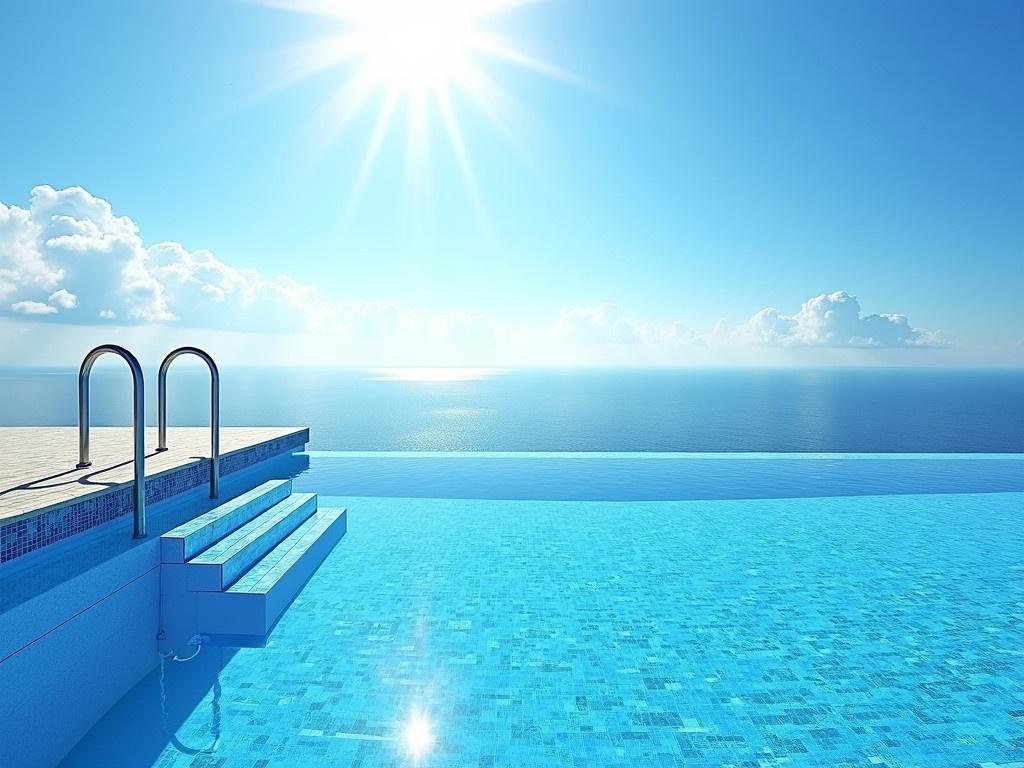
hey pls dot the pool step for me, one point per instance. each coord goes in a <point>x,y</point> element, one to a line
<point>220,565</point>
<point>248,610</point>
<point>232,571</point>
<point>188,539</point>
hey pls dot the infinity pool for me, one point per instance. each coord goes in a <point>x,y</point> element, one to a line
<point>815,611</point>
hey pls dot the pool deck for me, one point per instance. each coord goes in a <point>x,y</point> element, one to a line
<point>37,464</point>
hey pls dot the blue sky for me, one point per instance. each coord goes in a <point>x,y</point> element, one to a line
<point>700,163</point>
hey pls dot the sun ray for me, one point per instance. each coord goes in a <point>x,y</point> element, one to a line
<point>339,9</point>
<point>415,53</point>
<point>417,159</point>
<point>494,102</point>
<point>496,7</point>
<point>492,46</point>
<point>302,62</point>
<point>380,130</point>
<point>451,125</point>
<point>340,109</point>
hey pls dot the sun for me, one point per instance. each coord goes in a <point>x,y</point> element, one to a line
<point>411,57</point>
<point>416,46</point>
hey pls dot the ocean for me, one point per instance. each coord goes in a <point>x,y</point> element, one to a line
<point>817,410</point>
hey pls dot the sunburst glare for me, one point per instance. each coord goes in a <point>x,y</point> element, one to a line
<point>410,56</point>
<point>418,737</point>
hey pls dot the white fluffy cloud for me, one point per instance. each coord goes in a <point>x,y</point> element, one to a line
<point>68,258</point>
<point>832,320</point>
<point>63,299</point>
<point>32,308</point>
<point>597,325</point>
<point>829,320</point>
<point>21,264</point>
<point>69,252</point>
<point>604,324</point>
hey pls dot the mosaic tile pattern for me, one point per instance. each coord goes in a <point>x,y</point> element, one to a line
<point>279,561</point>
<point>868,631</point>
<point>262,451</point>
<point>28,534</point>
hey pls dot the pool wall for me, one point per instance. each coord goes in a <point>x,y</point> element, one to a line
<point>78,649</point>
<point>72,648</point>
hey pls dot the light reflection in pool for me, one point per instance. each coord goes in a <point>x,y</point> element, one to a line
<point>418,736</point>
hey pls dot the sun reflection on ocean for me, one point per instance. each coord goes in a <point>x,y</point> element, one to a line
<point>435,375</point>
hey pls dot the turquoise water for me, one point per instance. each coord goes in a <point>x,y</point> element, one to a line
<point>815,630</point>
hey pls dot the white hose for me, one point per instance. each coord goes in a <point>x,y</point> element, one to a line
<point>215,719</point>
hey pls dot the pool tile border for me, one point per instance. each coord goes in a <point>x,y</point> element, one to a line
<point>32,532</point>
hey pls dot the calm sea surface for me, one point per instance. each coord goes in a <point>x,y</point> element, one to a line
<point>637,410</point>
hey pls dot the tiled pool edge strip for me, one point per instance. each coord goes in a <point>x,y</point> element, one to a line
<point>663,455</point>
<point>31,533</point>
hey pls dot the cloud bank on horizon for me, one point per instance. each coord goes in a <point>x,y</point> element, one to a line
<point>68,259</point>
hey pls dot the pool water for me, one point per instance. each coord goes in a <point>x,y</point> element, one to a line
<point>816,630</point>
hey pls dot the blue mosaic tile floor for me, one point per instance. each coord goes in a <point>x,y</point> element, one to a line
<point>856,631</point>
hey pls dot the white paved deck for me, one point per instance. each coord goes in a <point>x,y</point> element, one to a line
<point>37,464</point>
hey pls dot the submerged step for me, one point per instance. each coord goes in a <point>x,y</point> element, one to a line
<point>248,610</point>
<point>222,563</point>
<point>268,571</point>
<point>187,540</point>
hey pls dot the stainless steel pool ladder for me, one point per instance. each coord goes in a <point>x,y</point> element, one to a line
<point>138,425</point>
<point>214,409</point>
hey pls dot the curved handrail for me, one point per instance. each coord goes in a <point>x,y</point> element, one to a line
<point>138,425</point>
<point>214,409</point>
